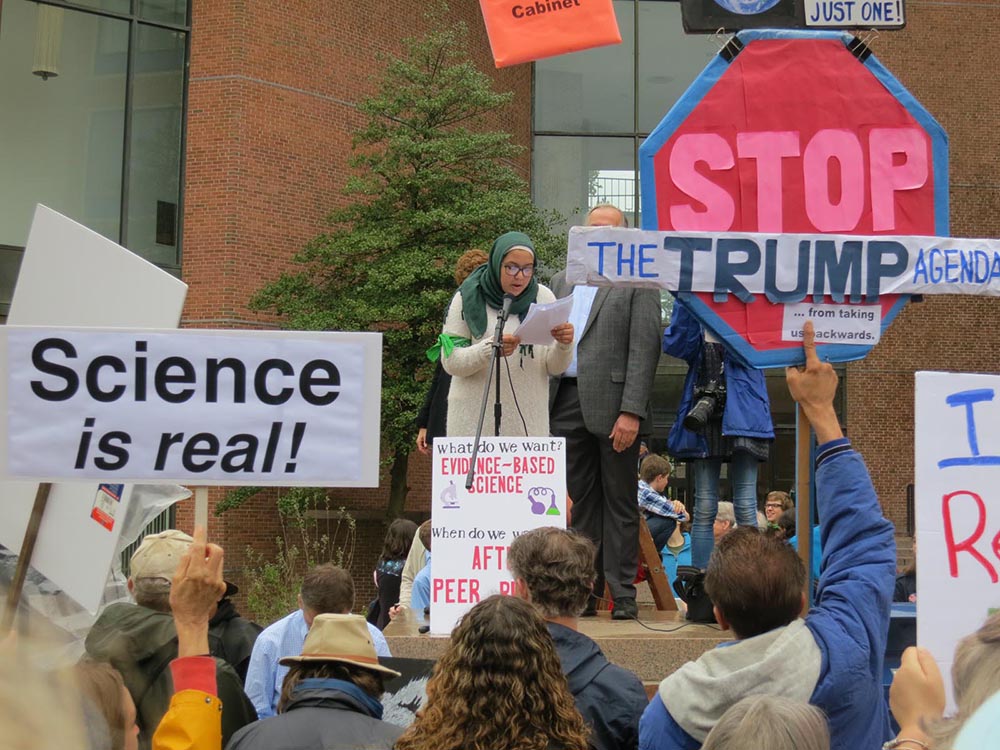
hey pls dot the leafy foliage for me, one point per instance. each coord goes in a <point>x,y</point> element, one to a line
<point>272,584</point>
<point>431,182</point>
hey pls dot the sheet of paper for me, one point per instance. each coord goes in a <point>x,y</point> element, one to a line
<point>541,319</point>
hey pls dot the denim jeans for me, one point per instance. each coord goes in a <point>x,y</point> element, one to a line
<point>743,479</point>
<point>660,528</point>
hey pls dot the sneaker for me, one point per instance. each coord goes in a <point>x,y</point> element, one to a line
<point>625,609</point>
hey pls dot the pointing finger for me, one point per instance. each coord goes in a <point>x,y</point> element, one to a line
<point>809,344</point>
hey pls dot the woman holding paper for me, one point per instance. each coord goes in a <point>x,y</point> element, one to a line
<point>467,344</point>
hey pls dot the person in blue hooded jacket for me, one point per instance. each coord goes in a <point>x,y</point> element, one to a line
<point>733,425</point>
<point>832,657</point>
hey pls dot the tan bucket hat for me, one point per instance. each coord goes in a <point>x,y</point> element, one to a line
<point>340,638</point>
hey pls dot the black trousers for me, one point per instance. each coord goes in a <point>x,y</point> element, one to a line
<point>603,486</point>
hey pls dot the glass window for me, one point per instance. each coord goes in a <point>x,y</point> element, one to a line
<point>669,60</point>
<point>63,125</point>
<point>164,11</point>
<point>154,166</point>
<point>115,6</point>
<point>572,173</point>
<point>590,91</point>
<point>62,120</point>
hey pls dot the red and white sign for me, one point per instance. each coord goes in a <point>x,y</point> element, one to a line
<point>519,485</point>
<point>794,135</point>
<point>957,495</point>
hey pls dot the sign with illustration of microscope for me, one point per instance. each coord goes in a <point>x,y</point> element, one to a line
<point>519,485</point>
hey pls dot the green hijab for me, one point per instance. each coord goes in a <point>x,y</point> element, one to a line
<point>483,285</point>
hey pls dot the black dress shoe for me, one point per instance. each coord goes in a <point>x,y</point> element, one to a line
<point>591,609</point>
<point>625,609</point>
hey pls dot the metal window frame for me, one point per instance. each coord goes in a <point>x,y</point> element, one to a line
<point>135,21</point>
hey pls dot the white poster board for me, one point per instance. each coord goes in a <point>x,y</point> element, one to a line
<point>205,407</point>
<point>519,485</point>
<point>71,275</point>
<point>957,476</point>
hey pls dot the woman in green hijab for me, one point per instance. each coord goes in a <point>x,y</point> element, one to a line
<point>468,337</point>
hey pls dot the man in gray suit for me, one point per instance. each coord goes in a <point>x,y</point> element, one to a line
<point>599,405</point>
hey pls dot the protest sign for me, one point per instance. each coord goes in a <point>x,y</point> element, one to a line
<point>957,475</point>
<point>519,485</point>
<point>70,275</point>
<point>800,133</point>
<point>785,268</point>
<point>840,282</point>
<point>525,30</point>
<point>203,407</point>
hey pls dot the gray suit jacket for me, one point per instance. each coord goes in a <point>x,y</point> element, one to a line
<point>617,354</point>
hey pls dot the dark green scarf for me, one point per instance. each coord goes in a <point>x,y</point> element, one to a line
<point>483,285</point>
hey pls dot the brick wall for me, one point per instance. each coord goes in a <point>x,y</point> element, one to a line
<point>272,95</point>
<point>271,108</point>
<point>937,58</point>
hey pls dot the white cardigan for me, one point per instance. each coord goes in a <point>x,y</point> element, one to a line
<point>530,368</point>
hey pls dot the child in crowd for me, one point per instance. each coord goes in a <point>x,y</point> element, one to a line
<point>661,513</point>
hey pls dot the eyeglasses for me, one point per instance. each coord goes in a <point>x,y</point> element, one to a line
<point>772,505</point>
<point>512,269</point>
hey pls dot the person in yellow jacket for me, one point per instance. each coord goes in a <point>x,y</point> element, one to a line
<point>194,719</point>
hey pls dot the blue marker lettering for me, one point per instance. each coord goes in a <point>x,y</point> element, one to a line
<point>645,260</point>
<point>968,399</point>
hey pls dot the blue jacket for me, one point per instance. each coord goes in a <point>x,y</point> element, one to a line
<point>610,699</point>
<point>833,658</point>
<point>747,412</point>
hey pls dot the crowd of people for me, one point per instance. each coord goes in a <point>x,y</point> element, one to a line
<point>168,671</point>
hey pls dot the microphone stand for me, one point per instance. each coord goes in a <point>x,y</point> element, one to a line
<point>497,408</point>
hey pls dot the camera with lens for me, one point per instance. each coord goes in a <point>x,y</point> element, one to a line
<point>708,401</point>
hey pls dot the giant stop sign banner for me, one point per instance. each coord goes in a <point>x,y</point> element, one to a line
<point>795,133</point>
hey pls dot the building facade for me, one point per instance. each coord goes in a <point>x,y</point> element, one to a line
<point>212,137</point>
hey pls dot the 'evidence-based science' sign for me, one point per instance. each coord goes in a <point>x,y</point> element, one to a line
<point>957,476</point>
<point>199,407</point>
<point>519,485</point>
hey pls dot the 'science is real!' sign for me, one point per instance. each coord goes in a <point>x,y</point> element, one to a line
<point>203,407</point>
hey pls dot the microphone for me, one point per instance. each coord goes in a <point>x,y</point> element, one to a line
<point>502,320</point>
<point>507,300</point>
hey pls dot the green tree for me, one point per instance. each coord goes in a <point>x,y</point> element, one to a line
<point>431,181</point>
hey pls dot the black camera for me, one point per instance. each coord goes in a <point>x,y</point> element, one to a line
<point>709,399</point>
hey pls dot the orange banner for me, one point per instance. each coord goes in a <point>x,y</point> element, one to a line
<point>525,30</point>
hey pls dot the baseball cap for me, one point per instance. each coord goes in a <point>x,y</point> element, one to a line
<point>159,554</point>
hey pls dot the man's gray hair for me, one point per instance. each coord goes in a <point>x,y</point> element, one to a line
<point>726,512</point>
<point>153,593</point>
<point>770,722</point>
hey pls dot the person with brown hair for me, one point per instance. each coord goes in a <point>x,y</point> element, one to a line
<point>498,686</point>
<point>432,417</point>
<point>108,707</point>
<point>330,696</point>
<point>554,570</point>
<point>661,513</point>
<point>833,657</point>
<point>326,589</point>
<point>775,504</point>
<point>389,569</point>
